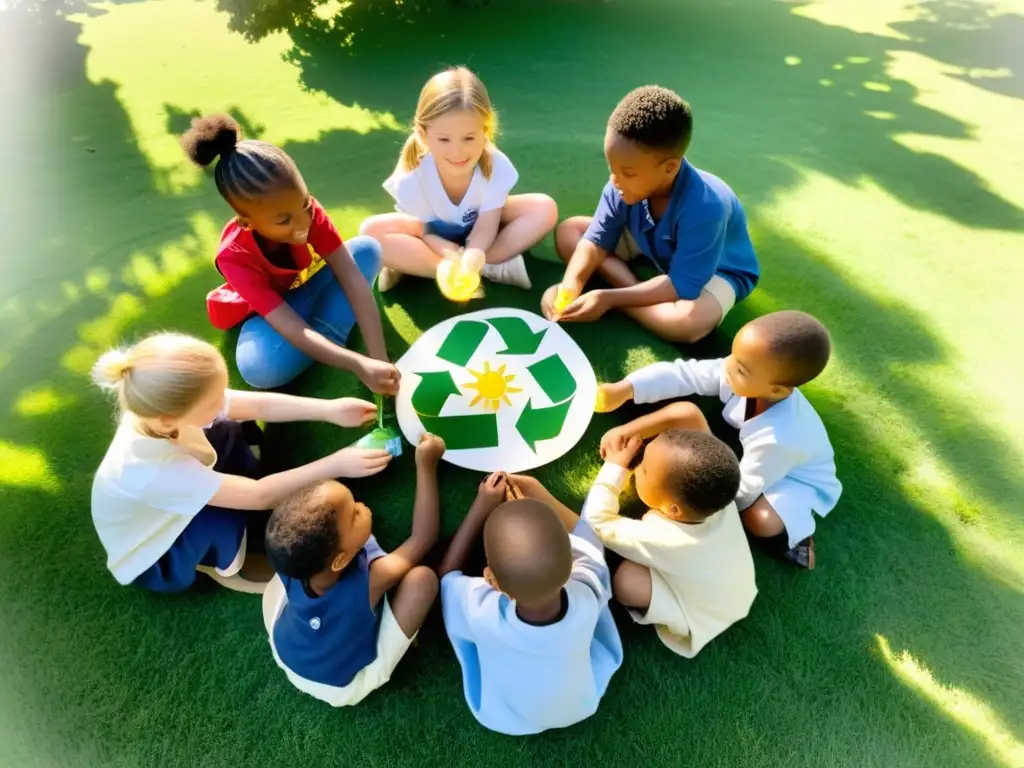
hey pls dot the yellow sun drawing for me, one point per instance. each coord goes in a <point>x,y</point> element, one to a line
<point>492,387</point>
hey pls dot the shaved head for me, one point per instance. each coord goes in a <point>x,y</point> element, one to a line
<point>796,340</point>
<point>527,550</point>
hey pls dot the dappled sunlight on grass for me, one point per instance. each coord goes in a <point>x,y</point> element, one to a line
<point>23,466</point>
<point>872,17</point>
<point>161,100</point>
<point>954,295</point>
<point>41,400</point>
<point>994,120</point>
<point>967,711</point>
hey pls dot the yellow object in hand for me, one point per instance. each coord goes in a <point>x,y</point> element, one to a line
<point>601,406</point>
<point>563,299</point>
<point>458,277</point>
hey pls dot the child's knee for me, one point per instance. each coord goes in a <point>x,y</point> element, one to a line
<point>568,235</point>
<point>631,585</point>
<point>375,227</point>
<point>422,584</point>
<point>366,253</point>
<point>546,211</point>
<point>686,415</point>
<point>761,520</point>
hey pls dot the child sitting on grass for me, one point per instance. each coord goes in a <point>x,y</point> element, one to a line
<point>688,568</point>
<point>177,488</point>
<point>788,467</point>
<point>332,627</point>
<point>534,637</point>
<point>451,190</point>
<point>685,221</point>
<point>297,289</point>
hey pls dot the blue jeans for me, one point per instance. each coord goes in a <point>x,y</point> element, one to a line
<point>266,359</point>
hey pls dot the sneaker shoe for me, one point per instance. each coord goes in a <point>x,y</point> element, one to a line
<point>802,554</point>
<point>388,279</point>
<point>511,272</point>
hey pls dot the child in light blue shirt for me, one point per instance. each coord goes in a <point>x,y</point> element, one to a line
<point>534,636</point>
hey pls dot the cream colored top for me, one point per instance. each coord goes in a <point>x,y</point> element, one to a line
<point>706,566</point>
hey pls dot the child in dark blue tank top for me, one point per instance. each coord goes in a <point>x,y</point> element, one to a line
<point>332,629</point>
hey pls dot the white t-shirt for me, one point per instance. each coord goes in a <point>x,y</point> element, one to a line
<point>419,192</point>
<point>520,679</point>
<point>786,441</point>
<point>146,492</point>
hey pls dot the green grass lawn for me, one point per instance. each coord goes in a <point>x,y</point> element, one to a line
<point>876,148</point>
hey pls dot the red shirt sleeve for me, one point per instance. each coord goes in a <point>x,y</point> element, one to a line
<point>322,235</point>
<point>238,261</point>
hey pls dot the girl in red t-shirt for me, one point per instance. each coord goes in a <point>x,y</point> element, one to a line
<point>293,311</point>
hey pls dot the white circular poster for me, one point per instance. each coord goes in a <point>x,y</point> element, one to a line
<point>505,389</point>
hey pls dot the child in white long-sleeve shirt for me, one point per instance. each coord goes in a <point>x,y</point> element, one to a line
<point>688,568</point>
<point>788,465</point>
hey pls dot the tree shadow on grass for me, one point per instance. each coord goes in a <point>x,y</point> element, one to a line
<point>769,88</point>
<point>105,675</point>
<point>978,37</point>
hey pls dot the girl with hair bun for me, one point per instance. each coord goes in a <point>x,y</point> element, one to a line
<point>293,311</point>
<point>176,491</point>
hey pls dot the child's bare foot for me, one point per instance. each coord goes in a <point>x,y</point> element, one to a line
<point>802,554</point>
<point>388,279</point>
<point>611,397</point>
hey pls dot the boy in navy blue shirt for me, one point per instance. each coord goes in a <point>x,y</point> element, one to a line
<point>685,221</point>
<point>332,628</point>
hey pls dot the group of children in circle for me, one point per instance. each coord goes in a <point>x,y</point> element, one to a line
<point>180,491</point>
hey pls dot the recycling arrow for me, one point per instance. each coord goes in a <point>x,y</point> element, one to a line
<point>462,341</point>
<point>433,391</point>
<point>458,432</point>
<point>536,424</point>
<point>554,378</point>
<point>519,338</point>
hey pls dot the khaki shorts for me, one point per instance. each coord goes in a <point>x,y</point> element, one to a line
<point>717,286</point>
<point>666,614</point>
<point>391,647</point>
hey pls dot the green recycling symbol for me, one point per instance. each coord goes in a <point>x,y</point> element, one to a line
<point>482,380</point>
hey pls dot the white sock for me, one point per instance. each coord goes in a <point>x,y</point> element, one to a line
<point>511,272</point>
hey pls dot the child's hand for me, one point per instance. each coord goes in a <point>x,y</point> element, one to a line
<point>381,377</point>
<point>547,303</point>
<point>429,451</point>
<point>527,484</point>
<point>611,397</point>
<point>358,462</point>
<point>349,412</point>
<point>619,447</point>
<point>587,308</point>
<point>491,492</point>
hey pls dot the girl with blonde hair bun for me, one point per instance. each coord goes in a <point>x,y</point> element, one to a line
<point>451,190</point>
<point>178,487</point>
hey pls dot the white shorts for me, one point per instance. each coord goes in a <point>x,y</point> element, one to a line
<point>666,613</point>
<point>794,502</point>
<point>391,647</point>
<point>717,286</point>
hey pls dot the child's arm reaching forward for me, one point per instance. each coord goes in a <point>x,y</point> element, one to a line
<point>386,572</point>
<point>490,494</point>
<point>633,539</point>
<point>274,407</point>
<point>662,381</point>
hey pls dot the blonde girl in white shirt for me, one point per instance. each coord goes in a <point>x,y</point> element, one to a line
<point>451,190</point>
<point>178,486</point>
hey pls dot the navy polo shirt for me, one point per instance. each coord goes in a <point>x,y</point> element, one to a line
<point>328,639</point>
<point>703,233</point>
